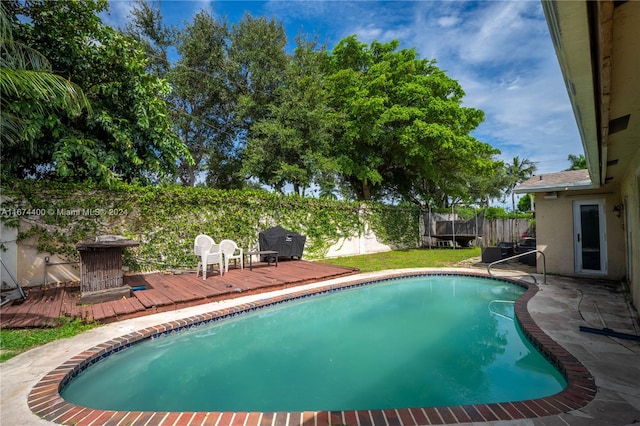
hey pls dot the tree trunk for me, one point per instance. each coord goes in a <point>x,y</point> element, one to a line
<point>366,192</point>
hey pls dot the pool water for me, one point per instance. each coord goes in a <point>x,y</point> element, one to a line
<point>413,342</point>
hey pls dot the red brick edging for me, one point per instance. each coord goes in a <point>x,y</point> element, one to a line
<point>45,400</point>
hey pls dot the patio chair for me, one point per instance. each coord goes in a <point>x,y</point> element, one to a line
<point>230,250</point>
<point>201,244</point>
<point>208,252</point>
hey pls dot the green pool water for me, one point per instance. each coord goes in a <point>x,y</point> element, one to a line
<point>413,342</point>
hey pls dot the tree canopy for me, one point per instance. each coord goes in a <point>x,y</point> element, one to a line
<point>229,106</point>
<point>124,135</point>
<point>27,74</point>
<point>402,128</point>
<point>578,162</point>
<point>516,172</point>
<point>291,143</point>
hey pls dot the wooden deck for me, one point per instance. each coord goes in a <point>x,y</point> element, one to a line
<point>165,292</point>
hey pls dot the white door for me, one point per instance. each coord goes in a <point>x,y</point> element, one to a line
<point>590,237</point>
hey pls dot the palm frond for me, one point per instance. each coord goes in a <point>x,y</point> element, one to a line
<point>19,56</point>
<point>11,128</point>
<point>41,86</point>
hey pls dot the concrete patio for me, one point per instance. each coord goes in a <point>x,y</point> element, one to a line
<point>559,308</point>
<point>564,305</point>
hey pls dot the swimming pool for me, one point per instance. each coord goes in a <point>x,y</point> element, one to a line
<point>495,310</point>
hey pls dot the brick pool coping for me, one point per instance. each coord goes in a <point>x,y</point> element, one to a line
<point>45,401</point>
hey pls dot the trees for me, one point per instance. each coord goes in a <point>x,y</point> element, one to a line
<point>516,172</point>
<point>258,63</point>
<point>524,204</point>
<point>290,145</point>
<point>148,28</point>
<point>30,90</point>
<point>202,101</point>
<point>374,120</point>
<point>578,162</point>
<point>126,135</point>
<point>402,129</point>
<point>485,186</point>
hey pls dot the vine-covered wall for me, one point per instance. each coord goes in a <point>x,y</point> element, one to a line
<point>165,220</point>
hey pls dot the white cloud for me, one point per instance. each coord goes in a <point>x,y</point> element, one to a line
<point>368,33</point>
<point>501,54</point>
<point>499,51</point>
<point>175,12</point>
<point>118,13</point>
<point>448,21</point>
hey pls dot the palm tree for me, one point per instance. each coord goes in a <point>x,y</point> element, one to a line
<point>26,74</point>
<point>578,162</point>
<point>518,171</point>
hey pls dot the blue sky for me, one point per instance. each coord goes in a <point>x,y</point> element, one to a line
<point>499,51</point>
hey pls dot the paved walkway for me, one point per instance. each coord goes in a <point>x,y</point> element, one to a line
<point>560,308</point>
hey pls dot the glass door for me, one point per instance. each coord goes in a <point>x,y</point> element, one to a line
<point>590,236</point>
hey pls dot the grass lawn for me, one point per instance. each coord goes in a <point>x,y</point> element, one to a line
<point>413,258</point>
<point>14,342</point>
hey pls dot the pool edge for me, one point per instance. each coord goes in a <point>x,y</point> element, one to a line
<point>45,401</point>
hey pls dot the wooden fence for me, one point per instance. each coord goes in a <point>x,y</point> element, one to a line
<point>490,231</point>
<point>511,230</point>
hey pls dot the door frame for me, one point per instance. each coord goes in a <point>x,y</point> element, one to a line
<point>629,238</point>
<point>577,243</point>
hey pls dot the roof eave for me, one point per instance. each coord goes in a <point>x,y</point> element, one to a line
<point>572,34</point>
<point>575,186</point>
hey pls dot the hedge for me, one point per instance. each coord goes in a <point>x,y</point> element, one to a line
<point>166,219</point>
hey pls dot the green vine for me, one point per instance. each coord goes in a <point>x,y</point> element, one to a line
<point>166,219</point>
<point>395,226</point>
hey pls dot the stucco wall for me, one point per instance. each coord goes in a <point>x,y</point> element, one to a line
<point>31,268</point>
<point>555,234</point>
<point>367,243</point>
<point>9,256</point>
<point>631,214</point>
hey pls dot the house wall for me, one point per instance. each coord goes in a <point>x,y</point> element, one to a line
<point>630,196</point>
<point>555,236</point>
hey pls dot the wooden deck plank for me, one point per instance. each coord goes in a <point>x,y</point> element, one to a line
<point>70,307</point>
<point>128,307</point>
<point>176,293</point>
<point>134,305</point>
<point>152,299</point>
<point>55,299</point>
<point>7,314</point>
<point>102,311</point>
<point>163,292</point>
<point>197,287</point>
<point>135,280</point>
<point>30,313</point>
<point>86,313</point>
<point>118,307</point>
<point>97,311</point>
<point>191,289</point>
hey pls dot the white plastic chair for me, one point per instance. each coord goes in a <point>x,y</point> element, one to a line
<point>209,253</point>
<point>230,250</point>
<point>201,244</point>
